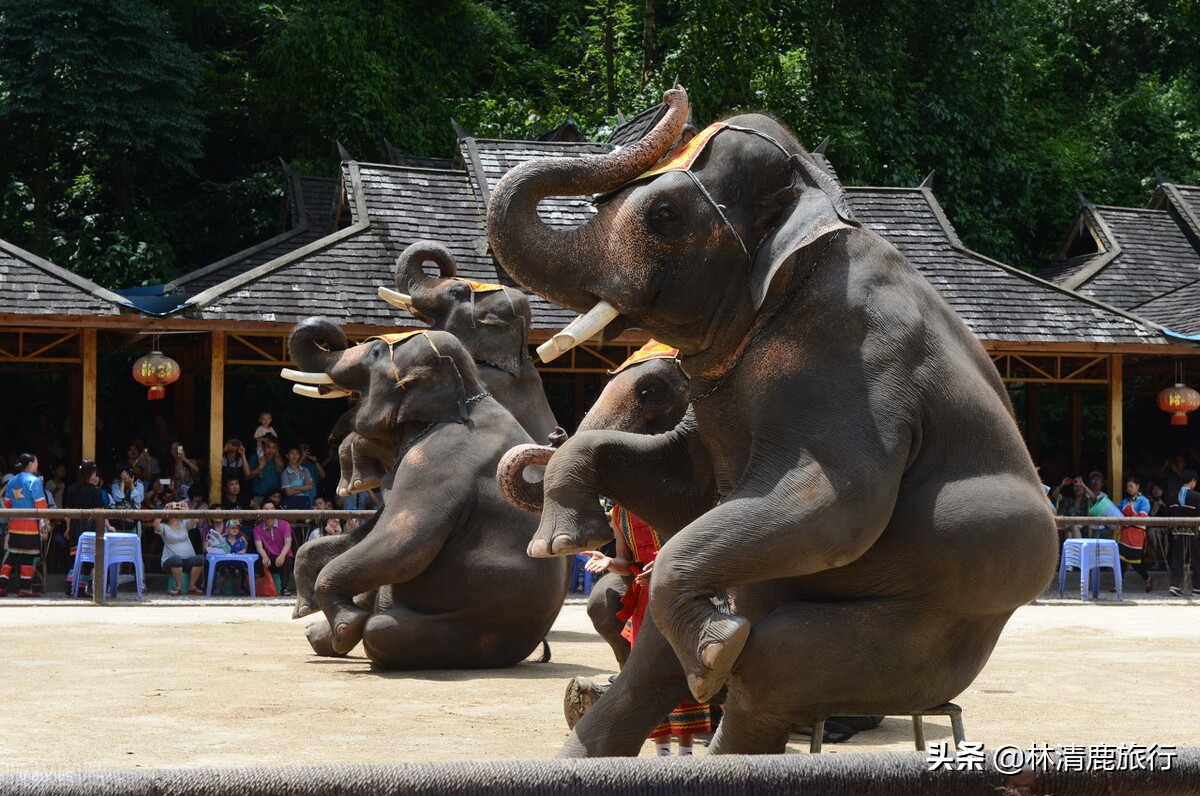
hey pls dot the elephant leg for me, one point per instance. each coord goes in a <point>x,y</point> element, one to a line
<point>312,557</point>
<point>650,686</point>
<point>602,606</point>
<point>320,637</point>
<point>405,543</point>
<point>401,638</point>
<point>810,661</point>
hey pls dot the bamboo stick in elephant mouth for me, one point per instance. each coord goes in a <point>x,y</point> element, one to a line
<point>578,331</point>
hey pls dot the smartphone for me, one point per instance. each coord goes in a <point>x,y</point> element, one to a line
<point>165,481</point>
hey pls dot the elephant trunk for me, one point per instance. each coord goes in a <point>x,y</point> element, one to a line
<point>410,275</point>
<point>510,476</point>
<point>537,255</point>
<point>314,344</point>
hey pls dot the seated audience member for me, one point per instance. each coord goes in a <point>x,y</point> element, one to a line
<point>332,527</point>
<point>231,494</point>
<point>295,481</point>
<point>178,551</point>
<point>265,468</point>
<point>273,541</point>
<point>315,525</point>
<point>237,544</point>
<point>85,493</point>
<point>145,466</point>
<point>359,500</point>
<point>127,493</point>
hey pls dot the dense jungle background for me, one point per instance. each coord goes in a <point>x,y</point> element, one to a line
<point>140,139</point>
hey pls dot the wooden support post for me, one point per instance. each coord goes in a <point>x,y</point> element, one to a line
<point>87,413</point>
<point>1116,425</point>
<point>1076,431</point>
<point>216,416</point>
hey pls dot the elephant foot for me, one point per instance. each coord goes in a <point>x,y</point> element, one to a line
<point>320,638</point>
<point>581,694</point>
<point>721,643</point>
<point>303,608</point>
<point>348,628</point>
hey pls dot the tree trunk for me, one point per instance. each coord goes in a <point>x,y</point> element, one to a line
<point>610,57</point>
<point>648,43</point>
<point>40,189</point>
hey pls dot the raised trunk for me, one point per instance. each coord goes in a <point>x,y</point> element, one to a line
<point>410,276</point>
<point>510,476</point>
<point>314,343</point>
<point>539,256</point>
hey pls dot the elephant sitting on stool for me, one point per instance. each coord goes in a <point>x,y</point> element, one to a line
<point>445,546</point>
<point>873,488</point>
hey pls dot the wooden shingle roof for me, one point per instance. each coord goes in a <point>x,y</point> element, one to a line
<point>338,275</point>
<point>30,285</point>
<point>310,213</point>
<point>999,303</point>
<point>635,129</point>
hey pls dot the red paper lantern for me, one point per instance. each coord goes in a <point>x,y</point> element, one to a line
<point>1178,400</point>
<point>156,370</point>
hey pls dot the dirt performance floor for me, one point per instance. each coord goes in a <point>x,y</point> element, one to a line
<point>224,683</point>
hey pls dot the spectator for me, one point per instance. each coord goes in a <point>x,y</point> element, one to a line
<point>296,482</point>
<point>1072,502</point>
<point>332,527</point>
<point>184,470</point>
<point>358,501</point>
<point>315,468</point>
<point>178,551</point>
<point>145,466</point>
<point>236,542</point>
<point>234,462</point>
<point>159,439</point>
<point>315,525</point>
<point>1183,546</point>
<point>1171,476</point>
<point>1100,502</point>
<point>264,429</point>
<point>23,543</point>
<point>273,540</point>
<point>231,494</point>
<point>56,484</point>
<point>127,493</point>
<point>266,467</point>
<point>85,493</point>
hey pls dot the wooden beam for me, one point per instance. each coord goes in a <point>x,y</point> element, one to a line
<point>216,416</point>
<point>1116,426</point>
<point>87,412</point>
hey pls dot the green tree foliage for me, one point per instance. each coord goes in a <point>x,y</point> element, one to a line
<point>105,106</point>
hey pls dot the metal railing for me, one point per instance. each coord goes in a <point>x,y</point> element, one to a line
<point>100,516</point>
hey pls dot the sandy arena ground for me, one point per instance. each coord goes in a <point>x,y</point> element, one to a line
<point>227,682</point>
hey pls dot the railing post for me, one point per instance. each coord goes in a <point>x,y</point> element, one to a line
<point>99,567</point>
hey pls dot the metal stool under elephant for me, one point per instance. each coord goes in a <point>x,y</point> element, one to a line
<point>445,542</point>
<point>865,457</point>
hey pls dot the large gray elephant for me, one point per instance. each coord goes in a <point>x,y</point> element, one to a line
<point>492,321</point>
<point>868,468</point>
<point>445,550</point>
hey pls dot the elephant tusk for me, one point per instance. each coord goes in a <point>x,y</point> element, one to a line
<point>318,392</point>
<point>578,331</point>
<point>306,378</point>
<point>396,298</point>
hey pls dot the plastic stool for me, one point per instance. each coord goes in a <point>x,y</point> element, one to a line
<point>184,588</point>
<point>948,709</point>
<point>247,559</point>
<point>1088,556</point>
<point>578,574</point>
<point>119,548</point>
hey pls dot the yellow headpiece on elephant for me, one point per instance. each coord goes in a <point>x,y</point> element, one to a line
<point>651,350</point>
<point>683,159</point>
<point>479,287</point>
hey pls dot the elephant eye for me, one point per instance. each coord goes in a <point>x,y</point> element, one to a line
<point>662,217</point>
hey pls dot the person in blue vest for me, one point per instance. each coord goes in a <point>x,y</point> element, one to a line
<point>24,542</point>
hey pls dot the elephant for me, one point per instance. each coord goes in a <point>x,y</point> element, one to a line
<point>647,395</point>
<point>875,499</point>
<point>455,589</point>
<point>492,321</point>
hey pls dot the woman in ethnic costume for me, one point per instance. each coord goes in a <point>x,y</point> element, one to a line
<point>637,547</point>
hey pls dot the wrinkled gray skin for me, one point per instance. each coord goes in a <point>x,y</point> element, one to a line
<point>647,398</point>
<point>859,436</point>
<point>445,543</point>
<point>494,326</point>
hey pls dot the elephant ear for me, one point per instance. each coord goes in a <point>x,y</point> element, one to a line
<point>820,208</point>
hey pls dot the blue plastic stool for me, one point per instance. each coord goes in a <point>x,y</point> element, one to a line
<point>1088,556</point>
<point>581,579</point>
<point>238,558</point>
<point>119,548</point>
